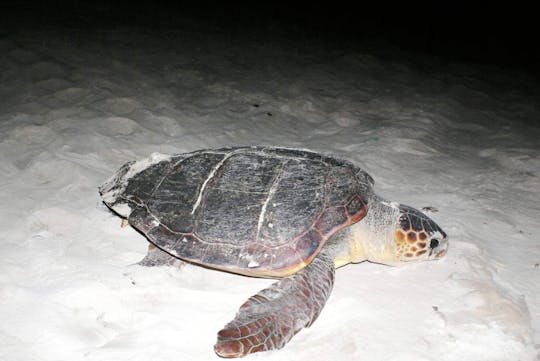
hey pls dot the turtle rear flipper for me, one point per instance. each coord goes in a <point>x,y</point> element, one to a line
<point>269,319</point>
<point>157,257</point>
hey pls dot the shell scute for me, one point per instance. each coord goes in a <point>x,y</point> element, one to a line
<point>308,244</point>
<point>355,205</point>
<point>330,219</point>
<point>226,216</point>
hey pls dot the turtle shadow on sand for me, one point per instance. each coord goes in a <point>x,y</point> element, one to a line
<point>288,214</point>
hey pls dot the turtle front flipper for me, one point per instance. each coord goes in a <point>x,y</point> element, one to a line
<point>269,319</point>
<point>157,257</point>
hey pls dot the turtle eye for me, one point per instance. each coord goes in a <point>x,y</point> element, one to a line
<point>434,243</point>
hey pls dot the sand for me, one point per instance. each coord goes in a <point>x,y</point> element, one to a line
<point>75,105</point>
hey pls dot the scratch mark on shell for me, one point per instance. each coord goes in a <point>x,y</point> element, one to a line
<point>210,176</point>
<point>271,193</point>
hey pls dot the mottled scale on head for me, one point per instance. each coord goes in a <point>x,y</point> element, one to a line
<point>413,220</point>
<point>418,236</point>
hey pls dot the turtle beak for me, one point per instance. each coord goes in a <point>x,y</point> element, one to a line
<point>440,254</point>
<point>438,246</point>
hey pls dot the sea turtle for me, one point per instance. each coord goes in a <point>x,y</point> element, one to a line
<point>289,214</point>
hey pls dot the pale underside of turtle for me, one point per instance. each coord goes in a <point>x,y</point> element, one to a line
<point>267,212</point>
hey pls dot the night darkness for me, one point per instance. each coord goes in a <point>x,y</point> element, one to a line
<point>488,33</point>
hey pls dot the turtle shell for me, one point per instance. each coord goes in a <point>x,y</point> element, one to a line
<point>251,210</point>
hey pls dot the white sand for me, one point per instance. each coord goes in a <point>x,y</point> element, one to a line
<point>74,106</point>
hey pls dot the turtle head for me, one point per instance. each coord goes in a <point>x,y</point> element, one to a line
<point>392,233</point>
<point>417,237</point>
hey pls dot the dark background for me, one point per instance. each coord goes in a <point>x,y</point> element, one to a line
<point>502,34</point>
